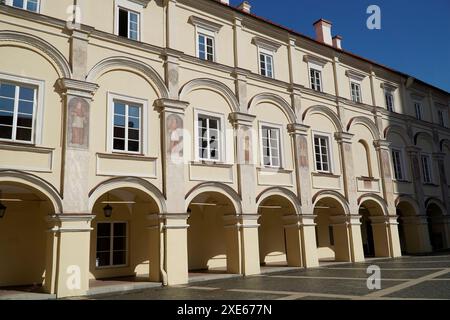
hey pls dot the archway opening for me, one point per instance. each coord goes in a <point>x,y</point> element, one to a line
<point>213,247</point>
<point>331,231</point>
<point>121,244</point>
<point>374,231</point>
<point>436,227</point>
<point>24,237</point>
<point>274,243</point>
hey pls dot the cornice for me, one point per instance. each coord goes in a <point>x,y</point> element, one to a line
<point>143,3</point>
<point>355,75</point>
<point>266,44</point>
<point>308,58</point>
<point>205,24</point>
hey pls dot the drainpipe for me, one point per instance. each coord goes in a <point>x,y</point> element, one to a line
<point>162,254</point>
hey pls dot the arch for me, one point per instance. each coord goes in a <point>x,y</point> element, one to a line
<point>442,143</point>
<point>330,114</point>
<point>35,182</point>
<point>436,202</point>
<point>285,193</point>
<point>139,66</point>
<point>377,199</point>
<point>369,124</point>
<point>334,195</point>
<point>215,85</point>
<point>128,182</point>
<point>428,137</point>
<point>410,200</point>
<point>368,160</point>
<point>215,187</point>
<point>42,46</point>
<point>275,99</point>
<point>398,130</point>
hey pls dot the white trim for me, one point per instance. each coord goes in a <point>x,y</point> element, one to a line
<point>38,109</point>
<point>318,69</point>
<point>222,141</point>
<point>355,76</point>
<point>391,93</point>
<point>111,250</point>
<point>402,163</point>
<point>111,97</point>
<point>25,2</point>
<point>418,103</point>
<point>129,6</point>
<point>209,29</point>
<point>280,142</point>
<point>266,44</point>
<point>431,167</point>
<point>207,34</point>
<point>330,151</point>
<point>265,52</point>
<point>358,84</point>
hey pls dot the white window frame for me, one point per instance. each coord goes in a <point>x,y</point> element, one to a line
<point>320,70</point>
<point>330,151</point>
<point>280,141</point>
<point>266,53</point>
<point>402,164</point>
<point>430,162</point>
<point>444,114</point>
<point>208,34</point>
<point>418,104</point>
<point>38,109</point>
<point>111,97</point>
<point>222,142</point>
<point>129,6</point>
<point>358,84</point>
<point>25,2</point>
<point>127,249</point>
<point>390,94</point>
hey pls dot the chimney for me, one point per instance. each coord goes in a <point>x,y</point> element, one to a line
<point>337,42</point>
<point>227,2</point>
<point>323,31</point>
<point>245,6</point>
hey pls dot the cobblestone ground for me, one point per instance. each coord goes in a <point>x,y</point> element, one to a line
<point>420,277</point>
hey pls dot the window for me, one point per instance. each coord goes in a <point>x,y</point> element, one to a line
<point>127,127</point>
<point>271,146</point>
<point>316,79</point>
<point>17,112</point>
<point>209,137</point>
<point>128,24</point>
<point>266,64</point>
<point>418,110</point>
<point>389,101</point>
<point>30,5</point>
<point>321,152</point>
<point>397,160</point>
<point>442,115</point>
<point>356,92</point>
<point>426,169</point>
<point>111,244</point>
<point>205,47</point>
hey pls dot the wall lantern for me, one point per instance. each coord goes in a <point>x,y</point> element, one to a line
<point>107,210</point>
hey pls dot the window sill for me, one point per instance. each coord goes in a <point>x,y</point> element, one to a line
<point>125,156</point>
<point>202,163</point>
<point>325,174</point>
<point>18,146</point>
<point>122,266</point>
<point>401,181</point>
<point>274,170</point>
<point>429,184</point>
<point>368,179</point>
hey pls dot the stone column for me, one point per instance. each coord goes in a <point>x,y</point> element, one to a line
<point>78,53</point>
<point>301,246</point>
<point>69,241</point>
<point>174,221</point>
<point>240,81</point>
<point>171,68</point>
<point>171,23</point>
<point>385,236</point>
<point>347,238</point>
<point>296,101</point>
<point>382,148</point>
<point>416,235</point>
<point>237,28</point>
<point>345,147</point>
<point>242,244</point>
<point>413,153</point>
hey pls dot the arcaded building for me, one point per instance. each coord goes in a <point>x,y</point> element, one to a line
<point>151,138</point>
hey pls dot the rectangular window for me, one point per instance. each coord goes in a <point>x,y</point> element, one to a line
<point>418,110</point>
<point>441,118</point>
<point>128,24</point>
<point>127,127</point>
<point>397,160</point>
<point>29,5</point>
<point>17,110</point>
<point>316,79</point>
<point>205,47</point>
<point>356,92</point>
<point>426,169</point>
<point>271,146</point>
<point>389,101</point>
<point>111,244</point>
<point>209,137</point>
<point>321,152</point>
<point>266,64</point>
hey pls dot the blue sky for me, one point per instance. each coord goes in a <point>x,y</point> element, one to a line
<point>414,36</point>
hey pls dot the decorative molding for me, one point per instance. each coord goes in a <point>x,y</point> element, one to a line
<point>266,44</point>
<point>77,88</point>
<point>388,86</point>
<point>308,58</point>
<point>354,75</point>
<point>275,99</point>
<point>143,3</point>
<point>205,24</point>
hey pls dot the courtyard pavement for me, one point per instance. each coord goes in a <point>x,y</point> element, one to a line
<point>413,277</point>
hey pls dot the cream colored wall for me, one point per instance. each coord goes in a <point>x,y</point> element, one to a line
<point>272,246</point>
<point>324,248</point>
<point>360,162</point>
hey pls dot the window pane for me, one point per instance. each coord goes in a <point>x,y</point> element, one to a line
<point>23,134</point>
<point>133,123</point>
<point>26,94</point>
<point>6,118</point>
<point>18,3</point>
<point>7,90</point>
<point>119,243</point>
<point>134,111</point>
<point>120,229</point>
<point>32,5</point>
<point>119,121</point>
<point>123,23</point>
<point>133,134</point>
<point>119,258</point>
<point>133,18</point>
<point>24,120</point>
<point>119,108</point>
<point>119,144</point>
<point>6,104</point>
<point>119,132</point>
<point>5,132</point>
<point>26,107</point>
<point>103,259</point>
<point>103,230</point>
<point>103,244</point>
<point>133,146</point>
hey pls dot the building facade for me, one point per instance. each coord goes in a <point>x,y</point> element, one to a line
<point>153,137</point>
